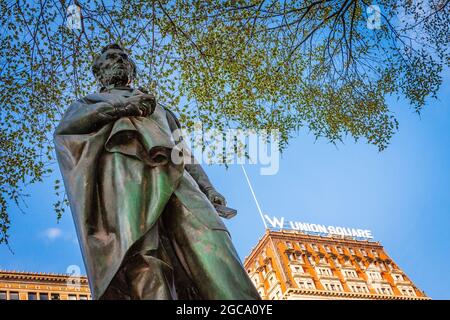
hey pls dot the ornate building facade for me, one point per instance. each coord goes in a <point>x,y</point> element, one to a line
<point>293,265</point>
<point>42,286</point>
<point>283,265</point>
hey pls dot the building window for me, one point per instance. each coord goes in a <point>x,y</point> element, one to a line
<point>350,274</point>
<point>339,249</point>
<point>375,253</point>
<point>2,295</point>
<point>398,277</point>
<point>72,297</point>
<point>324,271</point>
<point>306,284</point>
<point>407,291</point>
<point>302,246</point>
<point>43,296</point>
<point>327,248</point>
<point>32,296</point>
<point>301,284</point>
<point>55,296</point>
<point>333,286</point>
<point>386,290</point>
<point>351,251</point>
<point>255,280</point>
<point>299,257</point>
<point>290,256</point>
<point>296,269</point>
<point>289,245</point>
<point>315,247</point>
<point>364,253</point>
<point>374,275</point>
<point>359,288</point>
<point>13,296</point>
<point>263,254</point>
<point>276,295</point>
<point>336,262</point>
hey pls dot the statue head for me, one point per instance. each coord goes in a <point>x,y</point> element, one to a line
<point>113,67</point>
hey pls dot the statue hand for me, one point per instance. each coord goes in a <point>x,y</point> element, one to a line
<point>215,197</point>
<point>146,102</point>
<point>131,110</point>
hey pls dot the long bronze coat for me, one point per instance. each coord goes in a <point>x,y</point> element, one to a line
<point>119,177</point>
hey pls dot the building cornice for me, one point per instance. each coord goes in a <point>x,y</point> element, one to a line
<point>261,243</point>
<point>38,276</point>
<point>349,295</point>
<point>297,235</point>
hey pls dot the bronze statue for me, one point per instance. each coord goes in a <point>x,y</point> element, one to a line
<point>147,226</point>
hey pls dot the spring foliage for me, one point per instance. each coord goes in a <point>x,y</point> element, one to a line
<point>325,66</point>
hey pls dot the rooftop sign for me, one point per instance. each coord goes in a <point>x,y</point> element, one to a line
<point>276,223</point>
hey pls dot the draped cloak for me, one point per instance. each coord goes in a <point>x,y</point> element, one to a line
<point>119,176</point>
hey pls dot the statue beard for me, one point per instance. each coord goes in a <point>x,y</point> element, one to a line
<point>116,76</point>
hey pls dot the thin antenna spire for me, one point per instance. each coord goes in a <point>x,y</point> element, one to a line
<point>254,197</point>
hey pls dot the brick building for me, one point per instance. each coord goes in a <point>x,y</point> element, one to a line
<point>42,286</point>
<point>288,264</point>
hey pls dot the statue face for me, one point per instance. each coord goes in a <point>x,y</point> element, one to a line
<point>114,68</point>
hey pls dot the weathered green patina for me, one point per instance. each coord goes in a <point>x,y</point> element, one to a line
<point>147,226</point>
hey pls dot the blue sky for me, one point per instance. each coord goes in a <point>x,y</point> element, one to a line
<point>402,194</point>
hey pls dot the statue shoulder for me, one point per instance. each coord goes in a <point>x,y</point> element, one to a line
<point>171,118</point>
<point>88,99</point>
<point>93,98</point>
<point>80,105</point>
<point>96,97</point>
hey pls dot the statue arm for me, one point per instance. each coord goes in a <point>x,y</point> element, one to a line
<point>199,175</point>
<point>194,168</point>
<point>87,116</point>
<point>84,118</point>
